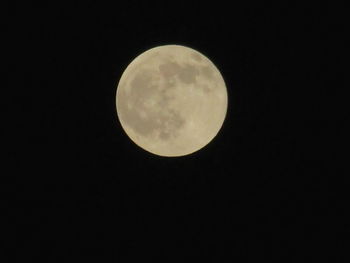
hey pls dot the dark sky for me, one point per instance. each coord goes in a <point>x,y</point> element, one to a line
<point>263,189</point>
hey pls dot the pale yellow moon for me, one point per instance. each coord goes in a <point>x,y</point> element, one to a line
<point>171,100</point>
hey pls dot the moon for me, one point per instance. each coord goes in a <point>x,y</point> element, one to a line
<point>171,100</point>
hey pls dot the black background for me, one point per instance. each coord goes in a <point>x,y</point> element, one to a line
<point>263,189</point>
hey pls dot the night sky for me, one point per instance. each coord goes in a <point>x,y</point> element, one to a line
<point>266,188</point>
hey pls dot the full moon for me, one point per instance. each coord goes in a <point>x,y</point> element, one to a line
<point>171,100</point>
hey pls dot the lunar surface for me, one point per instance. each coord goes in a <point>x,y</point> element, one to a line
<point>171,100</point>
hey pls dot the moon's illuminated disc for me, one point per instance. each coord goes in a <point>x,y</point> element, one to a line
<point>171,100</point>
